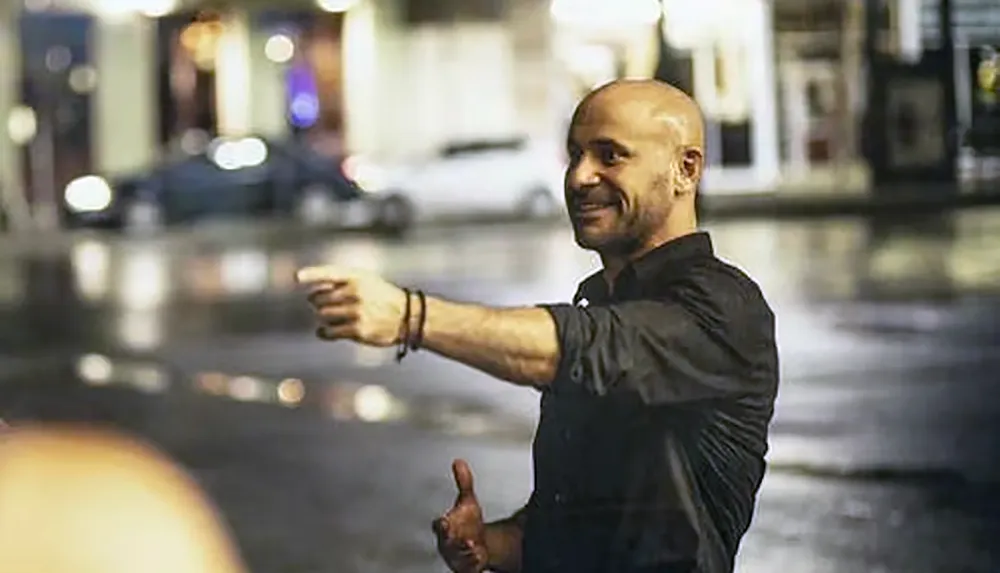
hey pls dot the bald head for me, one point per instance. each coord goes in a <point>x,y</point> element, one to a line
<point>660,108</point>
<point>636,160</point>
<point>86,501</point>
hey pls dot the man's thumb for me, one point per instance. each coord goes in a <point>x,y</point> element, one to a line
<point>463,480</point>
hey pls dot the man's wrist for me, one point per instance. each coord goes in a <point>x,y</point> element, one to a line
<point>503,546</point>
<point>412,320</point>
<point>492,549</point>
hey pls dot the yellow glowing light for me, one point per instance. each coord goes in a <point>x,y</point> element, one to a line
<point>373,403</point>
<point>22,125</point>
<point>988,73</point>
<point>201,40</point>
<point>232,76</point>
<point>291,391</point>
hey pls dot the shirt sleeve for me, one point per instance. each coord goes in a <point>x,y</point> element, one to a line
<point>693,345</point>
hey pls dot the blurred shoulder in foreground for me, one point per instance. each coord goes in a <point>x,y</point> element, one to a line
<point>79,500</point>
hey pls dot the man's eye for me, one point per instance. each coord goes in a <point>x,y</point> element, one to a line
<point>610,156</point>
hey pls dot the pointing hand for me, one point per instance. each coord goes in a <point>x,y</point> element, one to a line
<point>354,305</point>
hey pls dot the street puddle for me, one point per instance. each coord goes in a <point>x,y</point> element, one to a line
<point>340,400</point>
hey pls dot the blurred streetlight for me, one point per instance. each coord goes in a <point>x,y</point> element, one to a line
<point>335,5</point>
<point>279,48</point>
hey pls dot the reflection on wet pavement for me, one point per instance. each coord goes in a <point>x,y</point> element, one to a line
<point>343,401</point>
<point>817,260</point>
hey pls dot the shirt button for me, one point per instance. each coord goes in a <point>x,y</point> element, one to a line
<point>576,373</point>
<point>559,498</point>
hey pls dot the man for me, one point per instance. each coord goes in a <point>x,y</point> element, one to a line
<point>657,386</point>
<point>95,501</point>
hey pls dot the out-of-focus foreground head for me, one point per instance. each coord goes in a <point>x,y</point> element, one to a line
<point>79,500</point>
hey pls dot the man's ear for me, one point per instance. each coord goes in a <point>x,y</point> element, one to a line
<point>690,169</point>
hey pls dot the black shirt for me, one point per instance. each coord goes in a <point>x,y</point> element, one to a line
<point>650,448</point>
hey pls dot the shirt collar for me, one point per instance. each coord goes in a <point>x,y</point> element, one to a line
<point>665,258</point>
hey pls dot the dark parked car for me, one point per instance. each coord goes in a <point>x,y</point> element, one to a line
<point>238,177</point>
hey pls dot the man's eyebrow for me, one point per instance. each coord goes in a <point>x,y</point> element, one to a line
<point>610,142</point>
<point>603,141</point>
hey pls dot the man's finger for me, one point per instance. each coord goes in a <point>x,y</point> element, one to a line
<point>440,527</point>
<point>446,536</point>
<point>316,289</point>
<point>463,480</point>
<point>338,315</point>
<point>467,562</point>
<point>342,332</point>
<point>460,555</point>
<point>333,298</point>
<point>326,273</point>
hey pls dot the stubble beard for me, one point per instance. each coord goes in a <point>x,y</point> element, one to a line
<point>631,234</point>
<point>631,230</point>
<point>628,233</point>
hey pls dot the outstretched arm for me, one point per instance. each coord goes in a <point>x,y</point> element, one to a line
<point>707,339</point>
<point>519,345</point>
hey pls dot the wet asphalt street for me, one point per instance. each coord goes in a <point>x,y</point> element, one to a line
<point>332,458</point>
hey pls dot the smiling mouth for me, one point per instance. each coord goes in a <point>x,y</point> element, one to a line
<point>592,208</point>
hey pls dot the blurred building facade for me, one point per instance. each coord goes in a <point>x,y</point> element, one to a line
<point>782,82</point>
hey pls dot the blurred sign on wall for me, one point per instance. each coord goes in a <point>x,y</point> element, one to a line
<point>984,130</point>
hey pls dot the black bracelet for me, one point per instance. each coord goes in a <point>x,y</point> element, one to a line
<point>404,328</point>
<point>418,340</point>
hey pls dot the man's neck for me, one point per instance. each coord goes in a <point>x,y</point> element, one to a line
<point>614,263</point>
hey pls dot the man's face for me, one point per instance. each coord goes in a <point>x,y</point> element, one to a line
<point>618,182</point>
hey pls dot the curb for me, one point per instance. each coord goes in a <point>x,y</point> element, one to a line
<point>808,206</point>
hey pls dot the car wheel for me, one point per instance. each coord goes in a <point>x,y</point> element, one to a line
<point>316,207</point>
<point>537,204</point>
<point>142,216</point>
<point>394,215</point>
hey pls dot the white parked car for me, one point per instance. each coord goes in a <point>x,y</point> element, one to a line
<point>511,177</point>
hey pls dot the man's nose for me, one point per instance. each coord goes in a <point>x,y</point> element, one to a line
<point>582,175</point>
